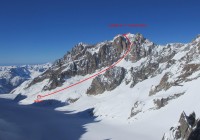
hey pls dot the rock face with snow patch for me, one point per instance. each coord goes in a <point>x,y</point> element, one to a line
<point>164,101</point>
<point>107,81</point>
<point>187,129</point>
<point>143,72</point>
<point>141,48</point>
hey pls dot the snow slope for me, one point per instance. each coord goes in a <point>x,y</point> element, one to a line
<point>32,122</point>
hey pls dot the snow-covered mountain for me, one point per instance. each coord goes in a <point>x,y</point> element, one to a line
<point>13,76</point>
<point>140,98</point>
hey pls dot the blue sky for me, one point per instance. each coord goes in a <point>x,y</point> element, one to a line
<point>39,31</point>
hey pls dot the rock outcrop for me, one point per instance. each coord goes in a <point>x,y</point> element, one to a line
<point>188,128</point>
<point>141,73</point>
<point>164,101</point>
<point>107,81</point>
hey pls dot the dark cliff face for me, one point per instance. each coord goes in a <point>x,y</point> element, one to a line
<point>107,81</point>
<point>85,59</point>
<point>188,128</point>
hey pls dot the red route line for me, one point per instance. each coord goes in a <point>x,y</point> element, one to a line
<point>42,96</point>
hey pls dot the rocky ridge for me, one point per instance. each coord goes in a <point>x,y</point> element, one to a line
<point>85,59</point>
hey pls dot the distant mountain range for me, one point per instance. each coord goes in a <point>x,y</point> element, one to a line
<point>13,76</point>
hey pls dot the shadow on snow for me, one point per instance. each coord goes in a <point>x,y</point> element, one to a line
<point>40,121</point>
